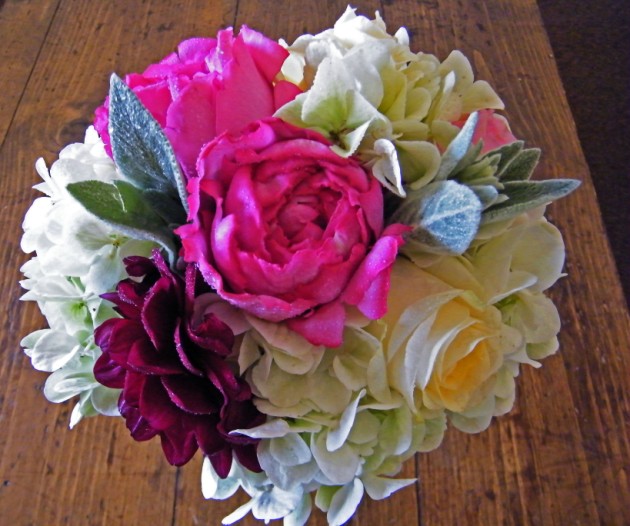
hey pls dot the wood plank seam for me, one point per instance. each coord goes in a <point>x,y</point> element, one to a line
<point>30,74</point>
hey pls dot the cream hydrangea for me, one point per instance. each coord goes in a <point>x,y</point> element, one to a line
<point>335,427</point>
<point>372,96</point>
<point>78,258</point>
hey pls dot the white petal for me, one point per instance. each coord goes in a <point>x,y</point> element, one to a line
<point>299,516</point>
<point>344,503</point>
<point>338,436</point>
<point>339,466</point>
<point>53,350</point>
<point>238,513</point>
<point>379,488</point>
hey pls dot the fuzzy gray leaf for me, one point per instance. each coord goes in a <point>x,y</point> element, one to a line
<point>522,166</point>
<point>122,206</point>
<point>507,154</point>
<point>526,195</point>
<point>486,193</point>
<point>445,216</point>
<point>456,151</point>
<point>141,150</point>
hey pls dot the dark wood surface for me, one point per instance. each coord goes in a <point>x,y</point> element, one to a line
<point>562,456</point>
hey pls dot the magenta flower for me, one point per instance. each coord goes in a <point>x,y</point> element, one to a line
<point>286,229</point>
<point>175,380</point>
<point>207,87</point>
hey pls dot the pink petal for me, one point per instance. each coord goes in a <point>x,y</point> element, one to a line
<point>191,122</point>
<point>323,327</point>
<point>492,129</point>
<point>267,54</point>
<point>369,286</point>
<point>245,95</point>
<point>284,92</point>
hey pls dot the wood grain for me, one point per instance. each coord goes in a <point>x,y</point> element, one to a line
<point>560,457</point>
<point>23,29</point>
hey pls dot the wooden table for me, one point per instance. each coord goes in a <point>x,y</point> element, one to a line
<point>560,457</point>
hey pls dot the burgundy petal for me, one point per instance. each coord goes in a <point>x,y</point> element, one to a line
<point>222,376</point>
<point>138,266</point>
<point>115,337</point>
<point>246,455</point>
<point>239,415</point>
<point>192,394</point>
<point>179,445</point>
<point>181,344</point>
<point>157,318</point>
<point>156,406</point>
<point>109,373</point>
<point>222,462</point>
<point>138,426</point>
<point>143,358</point>
<point>208,437</point>
<point>212,334</point>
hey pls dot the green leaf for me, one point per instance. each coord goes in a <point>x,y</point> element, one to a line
<point>445,215</point>
<point>526,195</point>
<point>486,193</point>
<point>141,150</point>
<point>458,147</point>
<point>166,206</point>
<point>506,153</point>
<point>522,166</point>
<point>122,206</point>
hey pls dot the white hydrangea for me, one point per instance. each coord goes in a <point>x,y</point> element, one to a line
<point>78,258</point>
<point>340,430</point>
<point>340,460</point>
<point>367,92</point>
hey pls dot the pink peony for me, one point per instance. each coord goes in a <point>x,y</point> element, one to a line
<point>286,229</point>
<point>172,370</point>
<point>492,129</point>
<point>207,87</point>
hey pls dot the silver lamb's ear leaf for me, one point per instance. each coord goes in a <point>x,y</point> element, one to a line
<point>522,166</point>
<point>122,206</point>
<point>507,154</point>
<point>458,147</point>
<point>141,150</point>
<point>526,195</point>
<point>487,194</point>
<point>445,216</point>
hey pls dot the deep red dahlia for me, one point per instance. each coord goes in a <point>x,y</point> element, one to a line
<point>172,370</point>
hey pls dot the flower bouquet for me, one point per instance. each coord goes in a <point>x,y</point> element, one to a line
<point>303,260</point>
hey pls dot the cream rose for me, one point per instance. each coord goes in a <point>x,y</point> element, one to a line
<point>444,346</point>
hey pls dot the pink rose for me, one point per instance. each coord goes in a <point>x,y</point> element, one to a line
<point>286,229</point>
<point>492,129</point>
<point>207,87</point>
